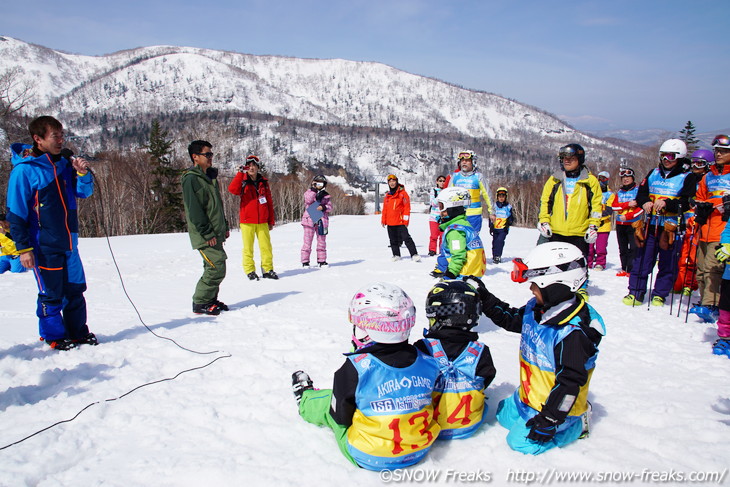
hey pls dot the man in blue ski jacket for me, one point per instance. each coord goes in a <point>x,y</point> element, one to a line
<point>42,190</point>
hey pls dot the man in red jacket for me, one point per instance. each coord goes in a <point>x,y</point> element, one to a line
<point>256,217</point>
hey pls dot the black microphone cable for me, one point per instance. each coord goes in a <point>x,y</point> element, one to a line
<point>69,155</point>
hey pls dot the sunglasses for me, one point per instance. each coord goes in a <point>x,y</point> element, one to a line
<point>668,156</point>
<point>521,273</point>
<point>626,172</point>
<point>722,141</point>
<point>464,155</point>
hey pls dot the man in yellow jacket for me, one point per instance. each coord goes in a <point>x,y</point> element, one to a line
<point>570,205</point>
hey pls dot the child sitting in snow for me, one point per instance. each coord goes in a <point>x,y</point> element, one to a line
<point>8,253</point>
<point>558,351</point>
<point>462,251</point>
<point>453,309</point>
<point>380,406</point>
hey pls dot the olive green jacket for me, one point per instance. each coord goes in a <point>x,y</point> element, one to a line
<point>203,207</point>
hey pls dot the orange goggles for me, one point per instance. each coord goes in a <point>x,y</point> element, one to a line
<point>391,176</point>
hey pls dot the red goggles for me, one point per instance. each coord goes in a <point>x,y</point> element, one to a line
<point>519,271</point>
<point>668,156</point>
<point>721,141</point>
<point>626,172</point>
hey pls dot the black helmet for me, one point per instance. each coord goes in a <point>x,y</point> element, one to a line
<point>319,179</point>
<point>453,304</point>
<point>573,150</point>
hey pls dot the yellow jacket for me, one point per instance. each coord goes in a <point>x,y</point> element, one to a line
<point>7,246</point>
<point>570,215</point>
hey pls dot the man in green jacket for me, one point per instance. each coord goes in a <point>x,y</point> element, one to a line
<point>207,226</point>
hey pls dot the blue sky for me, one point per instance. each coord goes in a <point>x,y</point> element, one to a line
<point>633,64</point>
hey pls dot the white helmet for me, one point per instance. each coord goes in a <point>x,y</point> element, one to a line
<point>384,312</point>
<point>453,197</point>
<point>675,146</point>
<point>552,263</point>
<point>604,174</point>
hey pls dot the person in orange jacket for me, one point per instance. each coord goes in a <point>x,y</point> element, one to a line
<point>396,216</point>
<point>709,197</point>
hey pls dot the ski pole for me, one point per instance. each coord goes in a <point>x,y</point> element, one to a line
<point>645,232</point>
<point>653,264</point>
<point>694,270</point>
<point>675,257</point>
<point>689,272</point>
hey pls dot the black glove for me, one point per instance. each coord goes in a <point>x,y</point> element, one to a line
<point>703,209</point>
<point>449,275</point>
<point>481,289</point>
<point>542,428</point>
<point>491,231</point>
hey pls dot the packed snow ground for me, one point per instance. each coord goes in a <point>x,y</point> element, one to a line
<point>661,400</point>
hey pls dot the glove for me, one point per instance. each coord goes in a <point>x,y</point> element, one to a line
<point>703,209</point>
<point>545,229</point>
<point>542,428</point>
<point>591,234</point>
<point>448,276</point>
<point>667,237</point>
<point>479,286</point>
<point>722,252</point>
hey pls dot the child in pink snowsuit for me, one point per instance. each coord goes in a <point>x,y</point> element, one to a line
<point>316,193</point>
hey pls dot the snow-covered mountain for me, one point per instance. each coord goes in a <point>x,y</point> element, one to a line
<point>363,116</point>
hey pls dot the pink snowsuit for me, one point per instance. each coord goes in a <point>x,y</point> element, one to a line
<point>310,227</point>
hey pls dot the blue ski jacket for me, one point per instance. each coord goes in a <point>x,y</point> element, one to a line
<point>42,192</point>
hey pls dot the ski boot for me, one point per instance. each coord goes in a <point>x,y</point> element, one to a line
<point>252,276</point>
<point>721,347</point>
<point>708,314</point>
<point>270,275</point>
<point>62,344</point>
<point>89,339</point>
<point>300,382</point>
<point>631,300</point>
<point>323,264</point>
<point>207,309</point>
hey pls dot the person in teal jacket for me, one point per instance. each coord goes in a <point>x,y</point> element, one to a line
<point>462,251</point>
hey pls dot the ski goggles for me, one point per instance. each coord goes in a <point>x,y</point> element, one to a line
<point>521,273</point>
<point>252,159</point>
<point>699,163</point>
<point>721,141</point>
<point>626,172</point>
<point>391,176</point>
<point>464,155</point>
<point>668,156</point>
<point>567,152</point>
<point>501,193</point>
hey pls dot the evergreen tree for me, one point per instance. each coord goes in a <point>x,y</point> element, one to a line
<point>167,213</point>
<point>687,134</point>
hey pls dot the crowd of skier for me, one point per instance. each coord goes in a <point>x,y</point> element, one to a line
<point>391,400</point>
